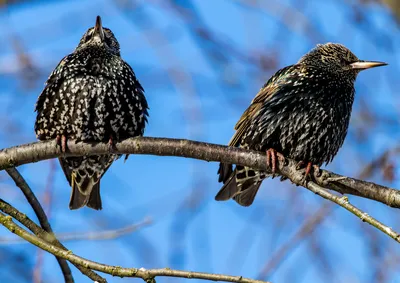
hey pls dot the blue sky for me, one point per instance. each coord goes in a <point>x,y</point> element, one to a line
<point>190,230</point>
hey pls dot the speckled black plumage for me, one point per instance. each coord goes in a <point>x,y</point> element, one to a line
<point>92,95</point>
<point>303,112</point>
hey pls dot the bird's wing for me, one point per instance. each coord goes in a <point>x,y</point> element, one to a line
<point>270,88</point>
<point>48,97</point>
<point>52,83</point>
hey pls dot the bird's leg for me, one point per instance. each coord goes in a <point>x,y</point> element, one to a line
<point>308,169</point>
<point>111,145</point>
<point>271,159</point>
<point>61,141</point>
<point>272,156</point>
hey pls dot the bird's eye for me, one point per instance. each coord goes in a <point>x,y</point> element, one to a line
<point>90,34</point>
<point>108,40</point>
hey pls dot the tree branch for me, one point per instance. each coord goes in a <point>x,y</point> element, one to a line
<point>344,202</point>
<point>41,215</point>
<point>35,152</point>
<point>147,275</point>
<point>45,236</point>
<point>211,152</point>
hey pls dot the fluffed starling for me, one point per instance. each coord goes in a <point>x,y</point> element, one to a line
<point>92,95</point>
<point>302,112</point>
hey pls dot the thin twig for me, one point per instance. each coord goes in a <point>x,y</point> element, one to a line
<point>46,205</point>
<point>48,237</point>
<point>91,236</point>
<point>344,202</point>
<point>147,275</point>
<point>289,246</point>
<point>41,215</point>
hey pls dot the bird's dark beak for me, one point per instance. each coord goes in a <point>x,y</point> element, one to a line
<point>98,29</point>
<point>363,65</point>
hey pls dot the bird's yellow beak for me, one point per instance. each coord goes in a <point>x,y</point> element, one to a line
<point>363,65</point>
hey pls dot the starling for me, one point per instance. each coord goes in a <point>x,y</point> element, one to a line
<point>93,96</point>
<point>302,112</point>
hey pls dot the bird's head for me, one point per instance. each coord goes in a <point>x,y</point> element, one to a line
<point>336,58</point>
<point>100,36</point>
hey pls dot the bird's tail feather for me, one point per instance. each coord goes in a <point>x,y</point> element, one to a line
<point>86,192</point>
<point>242,184</point>
<point>227,176</point>
<point>79,200</point>
<point>84,174</point>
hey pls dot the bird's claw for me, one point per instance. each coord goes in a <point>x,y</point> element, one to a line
<point>272,157</point>
<point>317,171</point>
<point>309,168</point>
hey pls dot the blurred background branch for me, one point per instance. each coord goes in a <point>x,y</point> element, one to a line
<point>87,236</point>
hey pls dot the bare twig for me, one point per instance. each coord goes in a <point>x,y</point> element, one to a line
<point>46,204</point>
<point>91,236</point>
<point>41,215</point>
<point>48,237</point>
<point>147,275</point>
<point>289,246</point>
<point>344,202</point>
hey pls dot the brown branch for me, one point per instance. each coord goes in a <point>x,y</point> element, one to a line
<point>91,236</point>
<point>34,152</point>
<point>147,275</point>
<point>45,236</point>
<point>41,215</point>
<point>211,152</point>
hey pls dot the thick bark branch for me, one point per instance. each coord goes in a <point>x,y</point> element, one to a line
<point>34,152</point>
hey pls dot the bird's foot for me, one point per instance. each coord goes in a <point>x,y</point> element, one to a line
<point>309,167</point>
<point>272,157</point>
<point>317,170</point>
<point>61,141</point>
